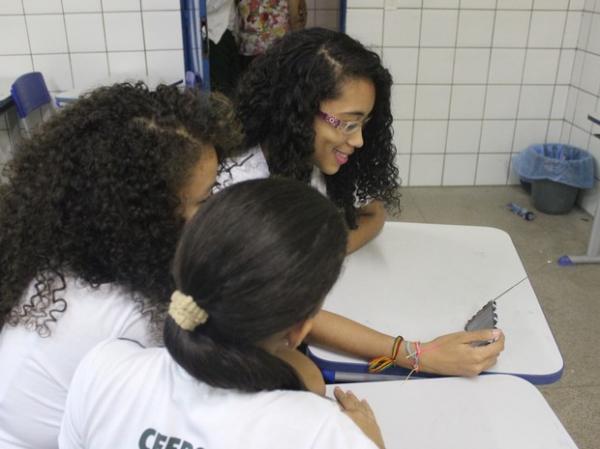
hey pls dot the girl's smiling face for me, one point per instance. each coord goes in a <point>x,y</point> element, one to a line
<point>333,146</point>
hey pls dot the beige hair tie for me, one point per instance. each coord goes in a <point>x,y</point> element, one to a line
<point>185,312</point>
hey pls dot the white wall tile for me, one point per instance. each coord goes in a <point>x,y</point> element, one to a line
<point>559,102</point>
<point>402,63</point>
<point>529,132</point>
<point>541,66</point>
<point>478,4</point>
<point>11,7</point>
<point>13,36</point>
<point>463,136</point>
<point>365,3</point>
<point>148,5</point>
<point>123,31</point>
<point>554,129</point>
<point>435,65</point>
<point>535,102</point>
<point>121,5</point>
<point>47,33</point>
<point>475,28</point>
<point>155,24</point>
<point>366,25</point>
<point>501,102</point>
<point>438,28</point>
<point>440,3</point>
<point>584,30</point>
<point>70,6</point>
<point>576,5</point>
<point>166,65</point>
<point>492,169</point>
<point>565,67</point>
<point>403,101</point>
<point>89,69</point>
<point>515,4</point>
<point>459,169</point>
<point>85,32</point>
<point>565,133</point>
<point>402,27</point>
<point>506,65</point>
<point>586,103</point>
<point>547,29</point>
<point>403,164</point>
<point>42,6</point>
<point>551,4</point>
<point>572,29</point>
<point>56,70</point>
<point>579,138</point>
<point>571,104</point>
<point>127,63</point>
<point>471,65</point>
<point>403,136</point>
<point>594,41</point>
<point>15,65</point>
<point>511,28</point>
<point>426,169</point>
<point>429,136</point>
<point>590,76</point>
<point>432,102</point>
<point>497,136</point>
<point>577,68</point>
<point>467,102</point>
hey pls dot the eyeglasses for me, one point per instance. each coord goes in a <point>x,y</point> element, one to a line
<point>342,125</point>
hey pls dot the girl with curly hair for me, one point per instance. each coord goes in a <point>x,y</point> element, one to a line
<point>316,108</point>
<point>242,297</point>
<point>89,220</point>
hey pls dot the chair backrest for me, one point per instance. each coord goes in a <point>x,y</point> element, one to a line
<point>29,92</point>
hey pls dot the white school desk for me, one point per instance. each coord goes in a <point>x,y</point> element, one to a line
<point>491,412</point>
<point>425,280</point>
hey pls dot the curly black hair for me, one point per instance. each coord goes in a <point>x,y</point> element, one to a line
<point>94,195</point>
<point>280,95</point>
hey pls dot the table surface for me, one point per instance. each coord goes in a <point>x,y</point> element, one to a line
<point>425,280</point>
<point>492,412</point>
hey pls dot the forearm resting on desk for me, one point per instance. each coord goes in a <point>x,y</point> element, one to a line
<point>451,354</point>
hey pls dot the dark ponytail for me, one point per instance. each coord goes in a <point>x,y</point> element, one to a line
<point>259,258</point>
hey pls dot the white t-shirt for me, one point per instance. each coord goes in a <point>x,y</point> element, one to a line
<point>36,372</point>
<point>125,396</point>
<point>253,165</point>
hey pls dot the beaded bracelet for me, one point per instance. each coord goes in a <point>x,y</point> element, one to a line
<point>378,364</point>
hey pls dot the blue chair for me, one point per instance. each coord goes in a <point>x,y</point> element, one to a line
<point>30,93</point>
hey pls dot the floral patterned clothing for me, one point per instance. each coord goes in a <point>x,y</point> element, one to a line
<point>261,22</point>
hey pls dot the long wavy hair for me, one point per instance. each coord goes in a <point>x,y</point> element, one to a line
<point>281,253</point>
<point>278,99</point>
<point>94,195</point>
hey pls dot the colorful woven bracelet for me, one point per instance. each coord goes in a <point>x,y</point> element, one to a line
<point>378,364</point>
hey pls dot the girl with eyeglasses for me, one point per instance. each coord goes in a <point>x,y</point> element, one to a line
<point>316,108</point>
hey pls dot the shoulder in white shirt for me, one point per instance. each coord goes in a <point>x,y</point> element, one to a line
<point>125,396</point>
<point>36,371</point>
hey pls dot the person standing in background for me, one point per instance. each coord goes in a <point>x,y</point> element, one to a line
<point>224,57</point>
<point>263,22</point>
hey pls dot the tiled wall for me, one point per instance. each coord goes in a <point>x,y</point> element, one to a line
<point>478,80</point>
<point>76,42</point>
<point>584,93</point>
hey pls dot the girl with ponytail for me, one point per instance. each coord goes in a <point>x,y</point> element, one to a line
<point>251,271</point>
